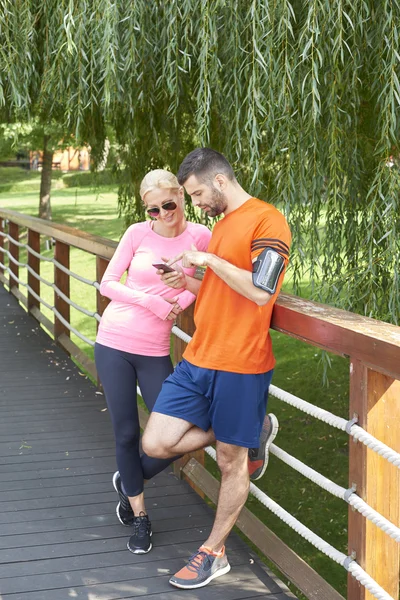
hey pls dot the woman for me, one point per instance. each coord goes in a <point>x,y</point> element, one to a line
<point>133,341</point>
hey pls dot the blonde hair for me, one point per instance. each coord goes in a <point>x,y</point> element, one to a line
<point>158,179</point>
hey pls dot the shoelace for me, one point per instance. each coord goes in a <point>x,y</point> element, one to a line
<point>141,527</point>
<point>196,560</point>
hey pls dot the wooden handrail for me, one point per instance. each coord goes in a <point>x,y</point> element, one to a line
<point>94,244</point>
<point>374,342</point>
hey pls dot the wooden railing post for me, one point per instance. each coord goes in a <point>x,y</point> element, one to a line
<point>2,247</point>
<point>375,398</point>
<point>101,301</point>
<point>185,321</point>
<point>34,263</point>
<point>13,230</point>
<point>61,280</point>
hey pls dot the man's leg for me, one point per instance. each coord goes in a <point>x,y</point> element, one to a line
<point>211,561</point>
<point>232,462</point>
<point>166,436</point>
<point>237,410</point>
<point>180,422</point>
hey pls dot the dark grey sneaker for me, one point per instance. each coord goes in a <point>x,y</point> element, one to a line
<point>124,510</point>
<point>140,541</point>
<point>258,457</point>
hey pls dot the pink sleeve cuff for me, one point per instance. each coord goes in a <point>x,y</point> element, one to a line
<point>160,307</point>
<point>185,299</point>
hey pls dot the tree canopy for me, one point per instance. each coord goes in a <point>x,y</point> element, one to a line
<point>302,97</point>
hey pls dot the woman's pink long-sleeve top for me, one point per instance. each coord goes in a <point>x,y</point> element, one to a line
<point>135,320</point>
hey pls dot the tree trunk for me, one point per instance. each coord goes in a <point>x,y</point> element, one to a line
<point>45,182</point>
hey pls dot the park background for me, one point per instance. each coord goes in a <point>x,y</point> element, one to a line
<point>302,97</point>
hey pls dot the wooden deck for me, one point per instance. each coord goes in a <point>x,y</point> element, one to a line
<point>60,538</point>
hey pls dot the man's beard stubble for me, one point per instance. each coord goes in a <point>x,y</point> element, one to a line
<point>219,203</point>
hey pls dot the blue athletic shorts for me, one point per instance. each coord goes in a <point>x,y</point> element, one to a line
<point>233,404</point>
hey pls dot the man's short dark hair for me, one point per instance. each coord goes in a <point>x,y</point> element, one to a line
<point>205,164</point>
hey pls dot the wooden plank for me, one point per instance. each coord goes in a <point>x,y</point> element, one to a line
<point>77,353</point>
<point>375,399</point>
<point>107,517</point>
<point>34,263</point>
<point>307,580</point>
<point>153,579</point>
<point>2,254</point>
<point>73,495</point>
<point>13,230</point>
<point>101,301</point>
<point>118,556</point>
<point>82,509</point>
<point>375,343</point>
<point>128,591</point>
<point>39,316</point>
<point>38,560</point>
<point>19,295</point>
<point>57,540</point>
<point>61,280</point>
<point>357,474</point>
<point>382,553</point>
<point>74,480</point>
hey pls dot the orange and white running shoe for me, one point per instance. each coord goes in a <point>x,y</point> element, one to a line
<point>203,566</point>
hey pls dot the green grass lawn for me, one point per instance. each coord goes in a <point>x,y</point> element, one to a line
<point>299,370</point>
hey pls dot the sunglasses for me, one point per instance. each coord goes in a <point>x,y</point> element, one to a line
<point>155,211</point>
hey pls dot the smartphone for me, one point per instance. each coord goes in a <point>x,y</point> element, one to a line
<point>163,267</point>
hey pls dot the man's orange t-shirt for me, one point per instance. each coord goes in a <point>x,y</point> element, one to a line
<point>232,332</point>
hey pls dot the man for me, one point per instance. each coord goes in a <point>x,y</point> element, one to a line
<point>218,392</point>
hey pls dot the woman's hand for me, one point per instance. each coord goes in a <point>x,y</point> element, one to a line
<point>175,310</point>
<point>176,280</point>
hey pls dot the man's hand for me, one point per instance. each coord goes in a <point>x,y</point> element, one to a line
<point>191,258</point>
<point>176,309</point>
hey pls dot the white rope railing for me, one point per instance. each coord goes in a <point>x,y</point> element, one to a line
<point>348,495</point>
<point>49,306</point>
<point>352,429</point>
<point>52,285</point>
<point>52,260</point>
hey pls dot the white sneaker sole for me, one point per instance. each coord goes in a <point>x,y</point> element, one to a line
<point>218,573</point>
<point>139,550</point>
<point>275,429</point>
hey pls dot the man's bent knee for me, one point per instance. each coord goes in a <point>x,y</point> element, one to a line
<point>153,447</point>
<point>162,433</point>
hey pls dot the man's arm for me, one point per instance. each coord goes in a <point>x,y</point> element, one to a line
<point>239,280</point>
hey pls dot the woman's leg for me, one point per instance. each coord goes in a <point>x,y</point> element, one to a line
<point>118,376</point>
<point>151,373</point>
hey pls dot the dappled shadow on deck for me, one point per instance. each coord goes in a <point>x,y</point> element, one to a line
<point>60,538</point>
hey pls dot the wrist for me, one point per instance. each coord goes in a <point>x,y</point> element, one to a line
<point>210,260</point>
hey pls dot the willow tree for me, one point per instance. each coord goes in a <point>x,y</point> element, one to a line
<point>303,98</point>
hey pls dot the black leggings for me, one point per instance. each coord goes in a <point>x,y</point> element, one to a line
<point>119,373</point>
